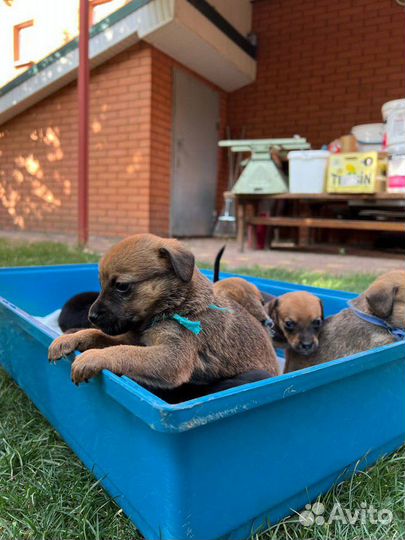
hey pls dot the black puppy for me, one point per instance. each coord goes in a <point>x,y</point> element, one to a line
<point>75,313</point>
<point>185,392</point>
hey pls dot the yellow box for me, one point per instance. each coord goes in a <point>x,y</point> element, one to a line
<point>355,172</point>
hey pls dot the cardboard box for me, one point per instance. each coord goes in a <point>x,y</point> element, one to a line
<point>356,172</point>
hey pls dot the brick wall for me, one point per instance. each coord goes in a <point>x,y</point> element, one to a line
<point>120,126</point>
<point>38,150</point>
<point>161,147</point>
<point>323,67</point>
<point>38,154</point>
<point>130,152</point>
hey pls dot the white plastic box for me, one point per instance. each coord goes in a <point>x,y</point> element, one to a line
<point>307,170</point>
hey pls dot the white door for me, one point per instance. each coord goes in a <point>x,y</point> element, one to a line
<point>194,157</point>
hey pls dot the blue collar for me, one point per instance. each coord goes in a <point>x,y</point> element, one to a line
<point>397,333</point>
<point>195,326</point>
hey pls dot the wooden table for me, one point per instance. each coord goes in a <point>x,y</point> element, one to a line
<point>246,211</point>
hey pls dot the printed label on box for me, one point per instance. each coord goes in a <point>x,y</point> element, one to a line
<point>352,173</point>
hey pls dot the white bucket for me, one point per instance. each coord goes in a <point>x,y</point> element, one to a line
<point>396,169</point>
<point>369,137</point>
<point>307,169</point>
<point>394,114</point>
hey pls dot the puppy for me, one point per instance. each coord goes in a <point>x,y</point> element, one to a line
<point>159,322</point>
<point>245,294</point>
<point>240,290</point>
<point>74,315</point>
<point>75,312</point>
<point>298,319</point>
<point>217,264</point>
<point>348,333</point>
<point>185,392</point>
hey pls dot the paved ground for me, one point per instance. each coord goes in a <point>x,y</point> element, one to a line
<point>205,250</point>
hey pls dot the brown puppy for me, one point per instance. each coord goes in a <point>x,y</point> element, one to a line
<point>347,333</point>
<point>245,293</point>
<point>298,318</point>
<point>160,322</point>
<point>242,291</point>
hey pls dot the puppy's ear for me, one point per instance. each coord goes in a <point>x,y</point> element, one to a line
<point>271,308</point>
<point>322,310</point>
<point>182,261</point>
<point>381,300</point>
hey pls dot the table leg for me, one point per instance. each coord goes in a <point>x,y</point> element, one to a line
<point>250,211</point>
<point>304,233</point>
<point>240,213</point>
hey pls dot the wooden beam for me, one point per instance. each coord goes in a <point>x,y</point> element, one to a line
<point>360,225</point>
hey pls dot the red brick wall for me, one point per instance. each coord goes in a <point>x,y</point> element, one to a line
<point>161,139</point>
<point>120,150</point>
<point>323,67</point>
<point>37,180</point>
<point>130,152</point>
<point>38,154</point>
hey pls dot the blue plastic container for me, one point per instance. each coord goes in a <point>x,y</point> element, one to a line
<point>221,466</point>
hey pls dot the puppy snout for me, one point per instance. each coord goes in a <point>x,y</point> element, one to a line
<point>307,345</point>
<point>94,317</point>
<point>95,314</point>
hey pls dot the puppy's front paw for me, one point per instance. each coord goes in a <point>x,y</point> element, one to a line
<point>62,346</point>
<point>88,365</point>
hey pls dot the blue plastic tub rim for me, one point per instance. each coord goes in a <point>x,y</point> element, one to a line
<point>167,417</point>
<point>190,414</point>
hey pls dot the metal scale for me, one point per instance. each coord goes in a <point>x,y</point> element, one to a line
<point>261,175</point>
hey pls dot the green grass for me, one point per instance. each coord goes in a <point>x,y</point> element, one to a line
<point>353,282</point>
<point>46,493</point>
<point>28,254</point>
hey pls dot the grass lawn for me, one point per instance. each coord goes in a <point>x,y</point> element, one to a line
<point>46,493</point>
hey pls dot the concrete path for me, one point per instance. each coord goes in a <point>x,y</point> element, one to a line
<point>205,250</point>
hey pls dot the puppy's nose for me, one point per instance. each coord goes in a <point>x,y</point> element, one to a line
<point>307,345</point>
<point>94,316</point>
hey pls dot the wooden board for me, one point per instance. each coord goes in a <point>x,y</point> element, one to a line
<point>327,196</point>
<point>366,225</point>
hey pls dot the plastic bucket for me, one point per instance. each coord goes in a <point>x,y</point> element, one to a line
<point>396,169</point>
<point>394,114</point>
<point>390,106</point>
<point>369,137</point>
<point>307,170</point>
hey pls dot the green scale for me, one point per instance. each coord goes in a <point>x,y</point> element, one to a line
<point>261,175</point>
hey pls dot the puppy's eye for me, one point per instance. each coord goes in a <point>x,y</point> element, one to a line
<point>316,323</point>
<point>289,325</point>
<point>122,287</point>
